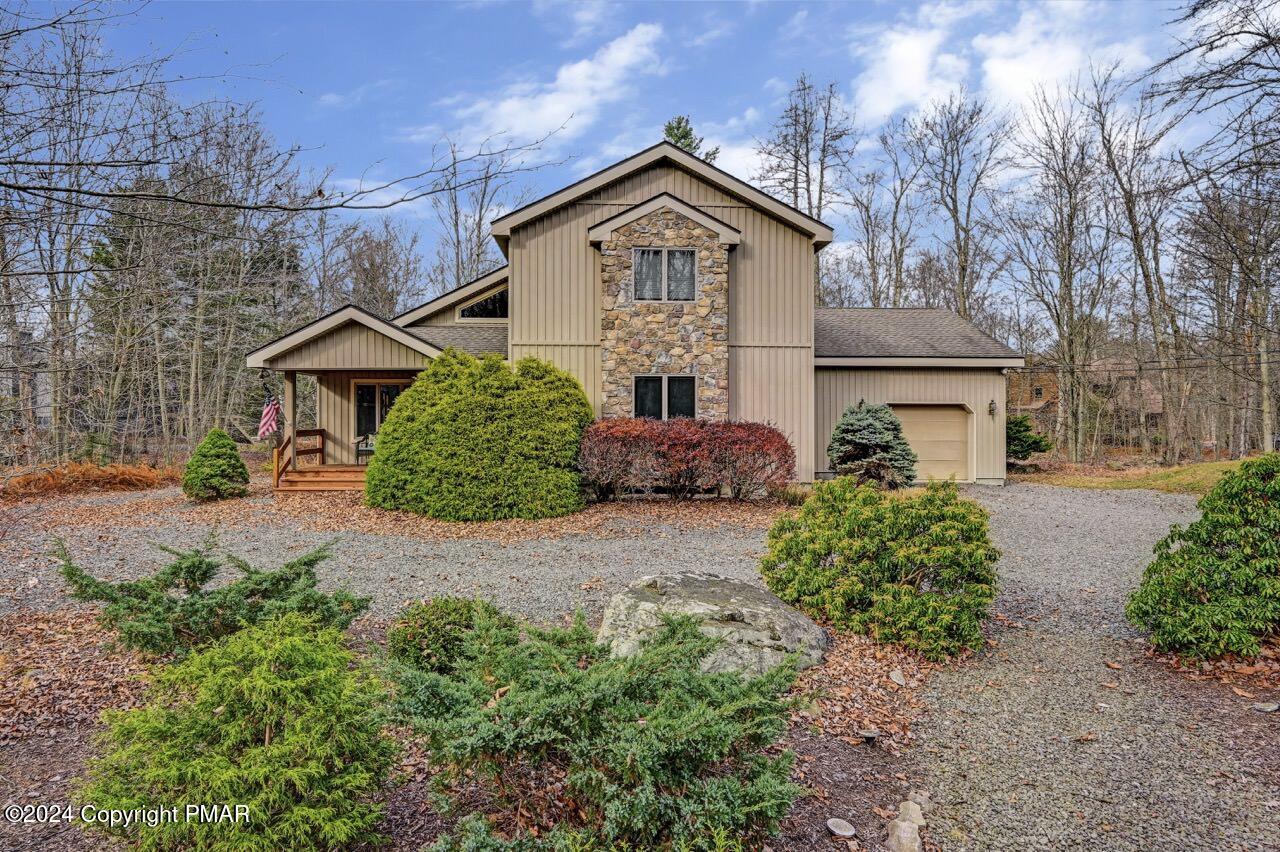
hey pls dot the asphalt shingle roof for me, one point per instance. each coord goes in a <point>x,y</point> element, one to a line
<point>477,339</point>
<point>900,333</point>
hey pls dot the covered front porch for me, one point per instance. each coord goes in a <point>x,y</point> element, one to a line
<point>360,364</point>
<point>350,407</point>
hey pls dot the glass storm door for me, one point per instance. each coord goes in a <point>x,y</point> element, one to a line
<point>372,404</point>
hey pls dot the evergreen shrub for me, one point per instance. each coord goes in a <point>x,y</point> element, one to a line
<point>643,752</point>
<point>1214,586</point>
<point>431,634</point>
<point>475,440</point>
<point>867,443</point>
<point>278,717</point>
<point>174,610</point>
<point>914,568</point>
<point>1021,440</point>
<point>215,470</point>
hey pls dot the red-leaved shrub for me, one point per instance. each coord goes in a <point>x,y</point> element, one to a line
<point>683,457</point>
<point>748,459</point>
<point>683,468</point>
<point>619,455</point>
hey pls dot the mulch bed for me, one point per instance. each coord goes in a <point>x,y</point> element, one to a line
<point>344,511</point>
<point>60,670</point>
<point>1243,677</point>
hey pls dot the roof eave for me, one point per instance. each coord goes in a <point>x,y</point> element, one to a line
<point>994,362</point>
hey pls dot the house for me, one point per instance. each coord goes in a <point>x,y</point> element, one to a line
<point>668,288</point>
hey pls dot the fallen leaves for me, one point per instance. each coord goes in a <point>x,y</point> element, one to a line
<point>344,511</point>
<point>863,686</point>
<point>61,670</point>
<point>1112,664</point>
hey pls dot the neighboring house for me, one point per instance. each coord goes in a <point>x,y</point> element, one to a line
<point>668,288</point>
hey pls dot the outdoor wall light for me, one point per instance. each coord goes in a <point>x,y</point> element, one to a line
<point>991,408</point>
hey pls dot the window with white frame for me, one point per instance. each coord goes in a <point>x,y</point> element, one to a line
<point>664,397</point>
<point>665,274</point>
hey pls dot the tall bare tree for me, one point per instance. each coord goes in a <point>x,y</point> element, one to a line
<point>959,144</point>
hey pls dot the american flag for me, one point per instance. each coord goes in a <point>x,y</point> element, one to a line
<point>270,417</point>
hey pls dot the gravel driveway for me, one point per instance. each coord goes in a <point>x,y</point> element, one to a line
<point>543,579</point>
<point>1038,744</point>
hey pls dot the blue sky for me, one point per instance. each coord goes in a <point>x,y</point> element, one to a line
<point>368,88</point>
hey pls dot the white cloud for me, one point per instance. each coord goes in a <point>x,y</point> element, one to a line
<point>346,100</point>
<point>585,18</point>
<point>795,26</point>
<point>905,67</point>
<point>530,110</point>
<point>1048,45</point>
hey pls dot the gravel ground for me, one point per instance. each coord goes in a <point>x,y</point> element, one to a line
<point>541,579</point>
<point>1026,748</point>
<point>1035,744</point>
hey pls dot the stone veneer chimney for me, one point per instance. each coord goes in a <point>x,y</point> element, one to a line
<point>671,338</point>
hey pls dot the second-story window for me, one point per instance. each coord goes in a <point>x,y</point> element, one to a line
<point>490,307</point>
<point>665,275</point>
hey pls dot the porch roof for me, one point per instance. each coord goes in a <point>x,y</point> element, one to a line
<point>349,338</point>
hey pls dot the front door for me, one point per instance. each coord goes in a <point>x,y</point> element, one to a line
<point>373,401</point>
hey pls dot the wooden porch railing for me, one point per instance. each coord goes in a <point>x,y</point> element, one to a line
<point>282,459</point>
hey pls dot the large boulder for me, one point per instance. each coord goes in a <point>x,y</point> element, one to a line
<point>758,629</point>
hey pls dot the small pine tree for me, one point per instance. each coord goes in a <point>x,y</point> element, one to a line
<point>279,718</point>
<point>868,443</point>
<point>679,132</point>
<point>215,470</point>
<point>1021,440</point>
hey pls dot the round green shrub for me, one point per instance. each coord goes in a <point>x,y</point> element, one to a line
<point>473,440</point>
<point>915,568</point>
<point>430,635</point>
<point>868,443</point>
<point>276,717</point>
<point>1214,586</point>
<point>215,470</point>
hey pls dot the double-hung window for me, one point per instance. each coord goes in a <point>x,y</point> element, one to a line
<point>664,397</point>
<point>665,274</point>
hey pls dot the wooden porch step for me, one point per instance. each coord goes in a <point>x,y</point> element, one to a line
<point>323,478</point>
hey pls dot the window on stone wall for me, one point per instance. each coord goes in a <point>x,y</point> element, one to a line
<point>665,275</point>
<point>664,397</point>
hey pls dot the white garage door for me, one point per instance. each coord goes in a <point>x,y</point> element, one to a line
<point>940,436</point>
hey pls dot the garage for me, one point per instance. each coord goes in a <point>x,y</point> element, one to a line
<point>943,378</point>
<point>939,434</point>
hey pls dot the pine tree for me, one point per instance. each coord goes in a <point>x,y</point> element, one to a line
<point>868,443</point>
<point>679,132</point>
<point>215,470</point>
<point>1021,440</point>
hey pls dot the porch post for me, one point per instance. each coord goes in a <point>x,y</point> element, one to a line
<point>291,414</point>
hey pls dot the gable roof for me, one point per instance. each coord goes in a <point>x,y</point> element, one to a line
<point>868,334</point>
<point>330,322</point>
<point>820,232</point>
<point>602,231</point>
<point>458,294</point>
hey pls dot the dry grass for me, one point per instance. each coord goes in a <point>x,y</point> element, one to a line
<point>1196,478</point>
<point>82,477</point>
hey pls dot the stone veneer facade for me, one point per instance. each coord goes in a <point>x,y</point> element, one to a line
<point>671,338</point>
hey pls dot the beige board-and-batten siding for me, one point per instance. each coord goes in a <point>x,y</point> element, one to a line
<point>836,388</point>
<point>556,301</point>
